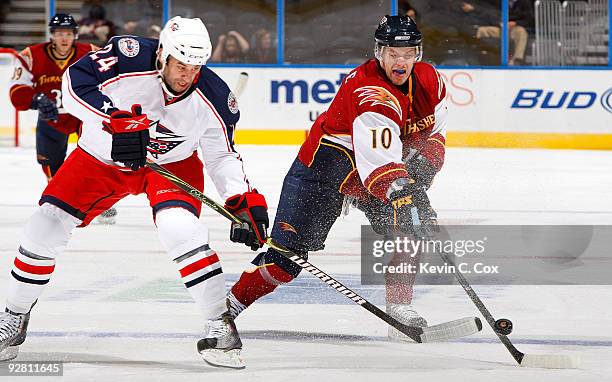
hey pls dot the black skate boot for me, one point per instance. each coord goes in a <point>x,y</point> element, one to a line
<point>13,331</point>
<point>221,346</point>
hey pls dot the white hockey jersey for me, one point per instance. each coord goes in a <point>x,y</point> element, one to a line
<point>122,74</point>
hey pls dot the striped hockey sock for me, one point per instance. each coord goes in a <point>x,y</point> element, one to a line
<point>30,273</point>
<point>201,273</point>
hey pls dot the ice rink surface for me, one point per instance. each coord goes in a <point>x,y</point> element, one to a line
<point>115,308</point>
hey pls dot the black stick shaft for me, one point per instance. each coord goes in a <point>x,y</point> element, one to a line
<point>516,354</point>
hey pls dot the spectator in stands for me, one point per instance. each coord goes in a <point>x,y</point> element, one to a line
<point>133,17</point>
<point>262,50</point>
<point>521,20</point>
<point>405,8</point>
<point>450,27</point>
<point>96,29</point>
<point>231,48</point>
<point>467,16</point>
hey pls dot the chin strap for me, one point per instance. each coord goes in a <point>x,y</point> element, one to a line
<point>163,84</point>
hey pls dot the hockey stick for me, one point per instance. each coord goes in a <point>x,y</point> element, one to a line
<point>243,78</point>
<point>548,361</point>
<point>442,332</point>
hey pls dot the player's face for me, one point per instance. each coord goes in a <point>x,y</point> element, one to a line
<point>179,76</point>
<point>398,63</point>
<point>63,39</point>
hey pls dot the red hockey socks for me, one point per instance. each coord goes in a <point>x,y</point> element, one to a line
<point>399,286</point>
<point>256,283</point>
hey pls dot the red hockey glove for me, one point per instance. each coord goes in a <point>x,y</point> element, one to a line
<point>130,132</point>
<point>251,207</point>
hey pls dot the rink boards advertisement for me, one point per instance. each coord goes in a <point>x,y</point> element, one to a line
<point>487,107</point>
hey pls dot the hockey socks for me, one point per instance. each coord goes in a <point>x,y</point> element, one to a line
<point>29,275</point>
<point>203,277</point>
<point>45,237</point>
<point>399,286</point>
<point>256,283</point>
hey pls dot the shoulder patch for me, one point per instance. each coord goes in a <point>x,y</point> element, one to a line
<point>378,95</point>
<point>129,47</point>
<point>232,103</point>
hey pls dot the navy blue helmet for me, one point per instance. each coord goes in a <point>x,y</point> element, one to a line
<point>63,21</point>
<point>398,31</point>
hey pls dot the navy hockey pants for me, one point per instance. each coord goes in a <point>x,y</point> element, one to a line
<point>51,146</point>
<point>310,203</point>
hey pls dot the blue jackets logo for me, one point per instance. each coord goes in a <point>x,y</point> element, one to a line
<point>606,100</point>
<point>550,99</point>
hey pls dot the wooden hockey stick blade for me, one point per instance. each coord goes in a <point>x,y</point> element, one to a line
<point>450,330</point>
<point>551,361</point>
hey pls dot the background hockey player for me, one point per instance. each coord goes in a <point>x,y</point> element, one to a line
<point>37,84</point>
<point>131,94</point>
<point>381,141</point>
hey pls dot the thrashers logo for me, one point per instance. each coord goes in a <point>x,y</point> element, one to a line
<point>379,96</point>
<point>164,142</point>
<point>284,226</point>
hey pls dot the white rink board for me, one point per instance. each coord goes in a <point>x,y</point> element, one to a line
<point>479,100</point>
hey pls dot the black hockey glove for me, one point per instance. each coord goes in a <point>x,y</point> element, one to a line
<point>251,207</point>
<point>412,212</point>
<point>47,109</point>
<point>130,132</point>
<point>421,170</point>
<point>408,210</point>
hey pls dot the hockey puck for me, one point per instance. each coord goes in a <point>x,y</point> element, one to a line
<point>503,326</point>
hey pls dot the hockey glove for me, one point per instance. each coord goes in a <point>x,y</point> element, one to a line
<point>422,171</point>
<point>408,210</point>
<point>130,132</point>
<point>411,209</point>
<point>47,109</point>
<point>251,207</point>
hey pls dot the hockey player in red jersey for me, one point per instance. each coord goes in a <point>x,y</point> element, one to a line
<point>380,142</point>
<point>37,84</point>
<point>139,96</point>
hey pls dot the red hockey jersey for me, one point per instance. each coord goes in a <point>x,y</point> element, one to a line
<point>43,74</point>
<point>382,125</point>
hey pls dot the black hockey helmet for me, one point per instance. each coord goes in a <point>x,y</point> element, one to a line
<point>398,31</point>
<point>63,21</point>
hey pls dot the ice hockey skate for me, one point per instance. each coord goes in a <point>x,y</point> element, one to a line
<point>13,330</point>
<point>108,217</point>
<point>221,346</point>
<point>405,314</point>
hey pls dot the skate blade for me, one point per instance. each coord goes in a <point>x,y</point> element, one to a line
<point>223,358</point>
<point>9,353</point>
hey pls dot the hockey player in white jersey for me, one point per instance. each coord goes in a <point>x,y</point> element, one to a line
<point>137,96</point>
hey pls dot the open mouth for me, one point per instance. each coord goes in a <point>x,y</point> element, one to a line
<point>399,72</point>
